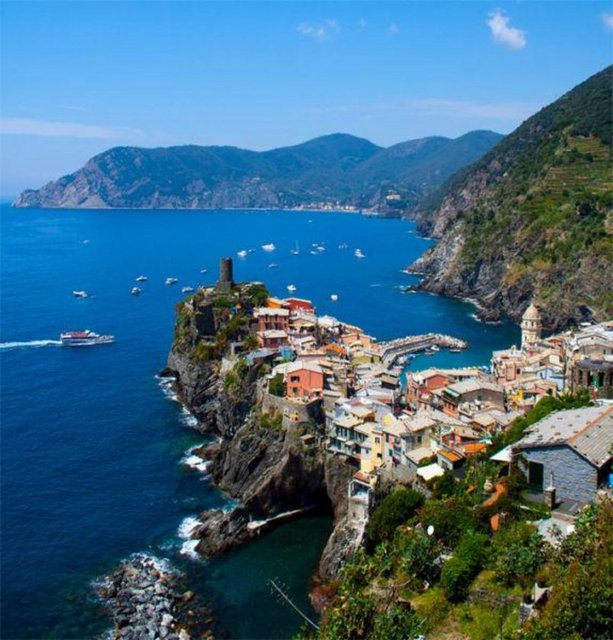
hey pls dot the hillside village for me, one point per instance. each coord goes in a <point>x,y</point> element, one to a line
<point>541,412</point>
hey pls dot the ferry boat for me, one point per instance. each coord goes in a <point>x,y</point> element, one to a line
<point>135,291</point>
<point>84,338</point>
<point>80,294</point>
<point>268,247</point>
<point>141,279</point>
<point>171,280</point>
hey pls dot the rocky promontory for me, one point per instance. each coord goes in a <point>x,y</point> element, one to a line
<point>272,471</point>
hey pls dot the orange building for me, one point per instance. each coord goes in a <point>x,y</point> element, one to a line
<point>304,380</point>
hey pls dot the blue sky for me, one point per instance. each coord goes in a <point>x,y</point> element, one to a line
<point>79,77</point>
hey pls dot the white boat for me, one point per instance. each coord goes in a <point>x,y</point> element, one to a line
<point>268,247</point>
<point>358,253</point>
<point>314,253</point>
<point>141,279</point>
<point>171,280</point>
<point>291,288</point>
<point>135,291</point>
<point>434,348</point>
<point>187,289</point>
<point>273,265</point>
<point>80,294</point>
<point>241,254</point>
<point>334,297</point>
<point>84,338</point>
<point>203,270</point>
<point>295,251</point>
<point>321,249</point>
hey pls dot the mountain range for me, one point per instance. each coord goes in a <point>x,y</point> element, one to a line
<point>337,169</point>
<point>532,221</point>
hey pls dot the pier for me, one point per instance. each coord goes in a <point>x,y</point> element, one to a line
<point>394,349</point>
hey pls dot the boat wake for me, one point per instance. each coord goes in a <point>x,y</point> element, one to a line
<point>30,344</point>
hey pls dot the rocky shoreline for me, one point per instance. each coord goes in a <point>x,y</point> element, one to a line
<point>145,600</point>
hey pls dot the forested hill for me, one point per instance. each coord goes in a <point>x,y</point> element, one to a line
<point>532,220</point>
<point>335,169</point>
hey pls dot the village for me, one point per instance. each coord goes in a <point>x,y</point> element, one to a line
<point>397,425</point>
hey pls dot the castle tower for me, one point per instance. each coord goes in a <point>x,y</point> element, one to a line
<point>531,327</point>
<point>226,281</point>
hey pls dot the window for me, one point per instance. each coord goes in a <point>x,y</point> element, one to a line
<point>377,440</point>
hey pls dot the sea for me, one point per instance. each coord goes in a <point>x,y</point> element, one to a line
<point>94,450</point>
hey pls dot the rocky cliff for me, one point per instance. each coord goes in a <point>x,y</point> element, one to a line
<point>333,169</point>
<point>271,471</point>
<point>532,220</point>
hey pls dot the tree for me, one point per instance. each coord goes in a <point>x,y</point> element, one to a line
<point>519,552</point>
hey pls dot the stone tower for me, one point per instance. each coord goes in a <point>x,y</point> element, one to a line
<point>531,326</point>
<point>226,281</point>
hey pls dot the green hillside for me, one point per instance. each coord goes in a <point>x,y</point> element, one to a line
<point>542,200</point>
<point>335,169</point>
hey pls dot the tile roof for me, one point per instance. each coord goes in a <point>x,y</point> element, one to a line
<point>589,431</point>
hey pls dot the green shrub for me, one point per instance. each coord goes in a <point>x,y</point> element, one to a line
<point>394,510</point>
<point>276,386</point>
<point>459,571</point>
<point>451,518</point>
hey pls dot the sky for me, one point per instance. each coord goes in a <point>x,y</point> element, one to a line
<point>81,76</point>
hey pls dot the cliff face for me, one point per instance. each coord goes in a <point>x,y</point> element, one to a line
<point>532,219</point>
<point>336,168</point>
<point>269,470</point>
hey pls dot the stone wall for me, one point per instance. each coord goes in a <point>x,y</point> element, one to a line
<point>574,478</point>
<point>292,412</point>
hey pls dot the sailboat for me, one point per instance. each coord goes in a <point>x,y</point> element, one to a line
<point>296,250</point>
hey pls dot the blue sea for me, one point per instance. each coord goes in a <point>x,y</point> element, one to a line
<point>92,449</point>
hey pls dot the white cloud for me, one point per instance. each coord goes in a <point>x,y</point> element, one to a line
<point>393,29</point>
<point>320,31</point>
<point>46,128</point>
<point>607,18</point>
<point>439,106</point>
<point>503,33</point>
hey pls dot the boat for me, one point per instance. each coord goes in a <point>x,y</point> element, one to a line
<point>321,249</point>
<point>135,291</point>
<point>295,251</point>
<point>241,254</point>
<point>203,270</point>
<point>455,350</point>
<point>268,247</point>
<point>334,297</point>
<point>358,253</point>
<point>187,289</point>
<point>291,288</point>
<point>171,280</point>
<point>314,253</point>
<point>80,294</point>
<point>141,279</point>
<point>434,348</point>
<point>273,265</point>
<point>84,338</point>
